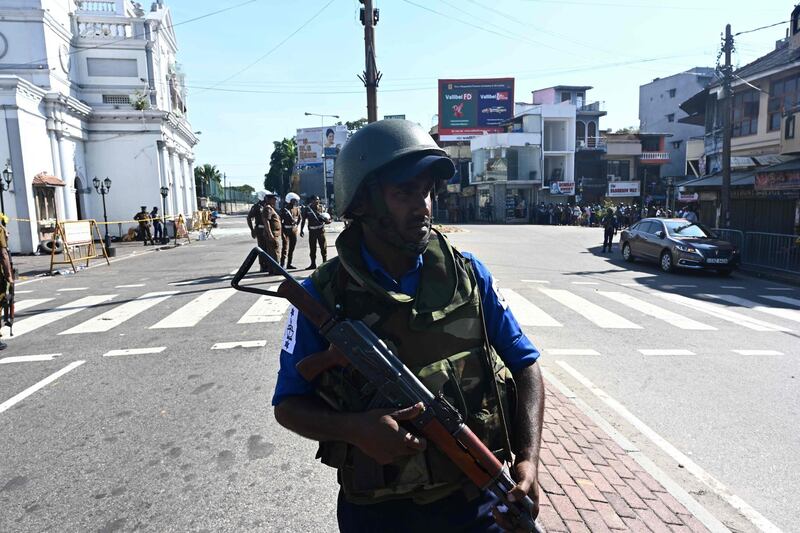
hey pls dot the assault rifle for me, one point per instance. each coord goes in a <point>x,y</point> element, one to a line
<point>353,343</point>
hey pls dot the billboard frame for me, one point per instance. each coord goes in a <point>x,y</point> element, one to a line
<point>470,132</point>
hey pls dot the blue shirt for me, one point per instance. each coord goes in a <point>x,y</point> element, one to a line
<point>302,338</point>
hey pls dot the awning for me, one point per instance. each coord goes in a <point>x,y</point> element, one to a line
<point>43,180</point>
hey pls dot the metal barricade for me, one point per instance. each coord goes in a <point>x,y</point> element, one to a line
<point>776,251</point>
<point>733,236</point>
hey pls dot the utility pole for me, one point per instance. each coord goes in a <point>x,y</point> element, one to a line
<point>727,101</point>
<point>371,77</point>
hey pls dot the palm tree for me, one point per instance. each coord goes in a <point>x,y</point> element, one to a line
<point>203,176</point>
<point>281,166</point>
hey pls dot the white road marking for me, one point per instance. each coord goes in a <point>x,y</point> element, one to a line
<point>631,284</point>
<point>28,358</point>
<point>782,299</point>
<point>119,314</point>
<point>571,351</point>
<point>779,288</point>
<point>745,352</point>
<point>266,309</point>
<point>210,279</point>
<point>193,312</point>
<point>8,404</point>
<point>26,304</point>
<point>233,272</point>
<point>73,289</point>
<point>240,344</point>
<point>655,311</point>
<point>592,312</point>
<point>51,315</point>
<point>132,285</point>
<point>732,287</point>
<point>756,518</point>
<point>135,351</point>
<point>788,314</point>
<point>534,281</point>
<point>666,351</point>
<point>526,313</point>
<point>23,292</point>
<point>585,283</point>
<point>720,311</point>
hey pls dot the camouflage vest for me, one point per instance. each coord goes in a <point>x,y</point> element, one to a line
<point>439,334</point>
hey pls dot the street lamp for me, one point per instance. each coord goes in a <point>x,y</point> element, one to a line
<point>102,188</point>
<point>8,177</point>
<point>164,193</point>
<point>322,118</point>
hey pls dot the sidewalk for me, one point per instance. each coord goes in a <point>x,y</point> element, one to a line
<point>33,266</point>
<point>591,484</point>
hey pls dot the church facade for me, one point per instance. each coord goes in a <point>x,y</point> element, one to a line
<point>90,89</point>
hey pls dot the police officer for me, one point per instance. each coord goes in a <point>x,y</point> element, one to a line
<point>439,310</point>
<point>610,224</point>
<point>255,221</point>
<point>6,270</point>
<point>144,225</point>
<point>290,219</point>
<point>317,219</point>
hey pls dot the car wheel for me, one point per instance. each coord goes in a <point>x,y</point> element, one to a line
<point>725,272</point>
<point>627,255</point>
<point>666,261</point>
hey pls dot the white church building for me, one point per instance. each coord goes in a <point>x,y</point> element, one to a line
<point>90,89</point>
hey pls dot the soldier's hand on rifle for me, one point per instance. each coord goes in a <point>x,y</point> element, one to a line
<point>525,473</point>
<point>378,433</point>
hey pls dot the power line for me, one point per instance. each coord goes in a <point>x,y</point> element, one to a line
<point>620,4</point>
<point>138,36</point>
<point>762,28</point>
<point>274,48</point>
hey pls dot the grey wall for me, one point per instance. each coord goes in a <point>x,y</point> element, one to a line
<point>655,104</point>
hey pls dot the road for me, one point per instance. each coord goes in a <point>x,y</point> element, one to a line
<point>155,414</point>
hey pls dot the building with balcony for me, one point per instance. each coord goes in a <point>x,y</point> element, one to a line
<point>765,168</point>
<point>660,112</point>
<point>91,89</point>
<point>632,163</point>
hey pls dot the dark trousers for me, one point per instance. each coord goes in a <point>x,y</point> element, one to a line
<point>144,233</point>
<point>289,241</point>
<point>158,232</point>
<point>269,247</point>
<point>316,237</point>
<point>608,239</point>
<point>453,513</point>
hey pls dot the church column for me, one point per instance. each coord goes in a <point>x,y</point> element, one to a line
<point>165,177</point>
<point>190,166</point>
<point>68,179</point>
<point>60,207</point>
<point>175,186</point>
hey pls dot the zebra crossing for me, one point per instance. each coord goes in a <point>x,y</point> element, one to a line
<point>539,306</point>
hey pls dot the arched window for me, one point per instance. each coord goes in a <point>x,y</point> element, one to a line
<point>580,133</point>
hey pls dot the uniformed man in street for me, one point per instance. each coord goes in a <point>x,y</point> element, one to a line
<point>272,226</point>
<point>257,231</point>
<point>144,226</point>
<point>442,314</point>
<point>6,270</point>
<point>316,218</point>
<point>290,219</point>
<point>610,225</point>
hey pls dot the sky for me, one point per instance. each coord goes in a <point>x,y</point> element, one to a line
<point>254,70</point>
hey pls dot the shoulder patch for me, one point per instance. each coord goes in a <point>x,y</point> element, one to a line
<point>500,298</point>
<point>290,333</point>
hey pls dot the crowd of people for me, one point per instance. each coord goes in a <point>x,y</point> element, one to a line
<point>591,215</point>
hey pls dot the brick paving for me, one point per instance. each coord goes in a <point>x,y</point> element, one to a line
<point>589,483</point>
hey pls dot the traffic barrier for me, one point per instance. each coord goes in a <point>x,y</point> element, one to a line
<point>771,251</point>
<point>77,236</point>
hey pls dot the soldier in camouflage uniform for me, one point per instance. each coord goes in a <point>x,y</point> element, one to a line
<point>439,310</point>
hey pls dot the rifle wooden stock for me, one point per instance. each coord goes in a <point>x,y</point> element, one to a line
<point>315,364</point>
<point>304,302</point>
<point>466,451</point>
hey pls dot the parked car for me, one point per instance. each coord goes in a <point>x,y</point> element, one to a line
<point>678,243</point>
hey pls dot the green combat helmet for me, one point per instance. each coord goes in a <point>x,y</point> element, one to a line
<point>374,147</point>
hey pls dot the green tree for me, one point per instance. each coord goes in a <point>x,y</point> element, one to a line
<point>281,166</point>
<point>203,176</point>
<point>246,189</point>
<point>354,125</point>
